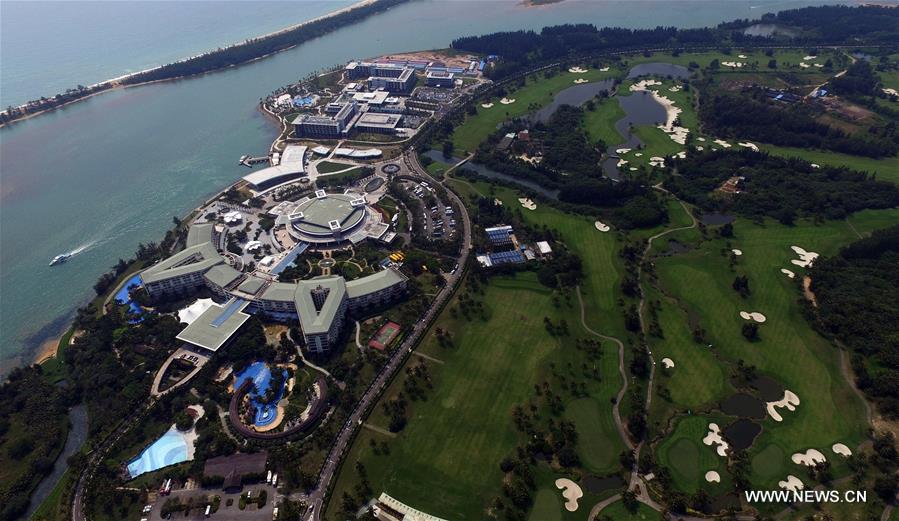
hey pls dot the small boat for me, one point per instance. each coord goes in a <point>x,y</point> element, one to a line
<point>59,259</point>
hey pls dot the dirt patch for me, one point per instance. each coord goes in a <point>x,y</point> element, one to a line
<point>807,290</point>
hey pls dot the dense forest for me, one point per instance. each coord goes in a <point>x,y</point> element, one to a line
<point>776,187</point>
<point>32,432</point>
<point>519,50</point>
<point>221,58</point>
<point>751,115</point>
<point>857,292</point>
<point>570,164</point>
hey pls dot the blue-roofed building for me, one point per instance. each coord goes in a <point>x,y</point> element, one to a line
<point>506,257</point>
<point>499,235</point>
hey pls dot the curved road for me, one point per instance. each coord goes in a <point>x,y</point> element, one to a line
<point>316,499</point>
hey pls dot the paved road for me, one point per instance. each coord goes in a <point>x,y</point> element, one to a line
<point>316,498</point>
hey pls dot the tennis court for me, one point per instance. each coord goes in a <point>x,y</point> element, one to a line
<point>384,336</point>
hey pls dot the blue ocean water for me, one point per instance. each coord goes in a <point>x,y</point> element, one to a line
<point>51,46</point>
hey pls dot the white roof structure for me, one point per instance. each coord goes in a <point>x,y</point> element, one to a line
<point>358,153</point>
<point>289,167</point>
<point>191,312</point>
<point>233,217</point>
<point>543,247</point>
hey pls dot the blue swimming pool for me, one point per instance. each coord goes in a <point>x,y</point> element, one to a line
<point>123,296</point>
<point>169,449</point>
<point>261,375</point>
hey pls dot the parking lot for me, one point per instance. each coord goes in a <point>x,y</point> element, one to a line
<point>437,217</point>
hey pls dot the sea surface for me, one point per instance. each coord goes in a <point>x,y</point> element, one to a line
<point>103,175</point>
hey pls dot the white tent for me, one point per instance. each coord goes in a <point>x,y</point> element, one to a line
<point>191,312</point>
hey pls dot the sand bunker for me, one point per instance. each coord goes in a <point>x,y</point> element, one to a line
<point>842,450</point>
<point>668,363</point>
<point>676,88</point>
<point>809,458</point>
<point>657,161</point>
<point>486,105</point>
<point>577,70</point>
<point>581,80</point>
<point>818,65</point>
<point>807,58</point>
<point>571,491</point>
<point>698,147</point>
<point>755,316</point>
<point>737,65</point>
<point>788,273</point>
<point>601,227</point>
<point>507,101</point>
<point>527,203</point>
<point>742,56</point>
<point>722,143</point>
<point>714,438</point>
<point>604,69</point>
<point>497,202</point>
<point>700,139</point>
<point>644,85</point>
<point>806,258</point>
<point>737,252</point>
<point>681,155</point>
<point>638,154</point>
<point>621,163</point>
<point>621,151</point>
<point>815,165</point>
<point>890,92</point>
<point>804,65</point>
<point>790,401</point>
<point>749,145</point>
<point>633,169</point>
<point>792,484</point>
<point>712,477</point>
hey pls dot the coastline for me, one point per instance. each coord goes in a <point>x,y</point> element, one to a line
<point>48,349</point>
<point>119,81</point>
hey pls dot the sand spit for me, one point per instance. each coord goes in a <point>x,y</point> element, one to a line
<point>790,401</point>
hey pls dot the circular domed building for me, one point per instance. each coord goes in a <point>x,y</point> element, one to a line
<point>325,219</point>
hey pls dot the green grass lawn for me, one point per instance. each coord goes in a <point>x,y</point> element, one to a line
<point>454,442</point>
<point>688,458</point>
<point>532,96</point>
<point>600,122</point>
<point>488,372</point>
<point>789,350</point>
<point>328,167</point>
<point>886,169</point>
<point>618,512</point>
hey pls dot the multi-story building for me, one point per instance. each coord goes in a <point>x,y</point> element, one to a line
<point>329,127</point>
